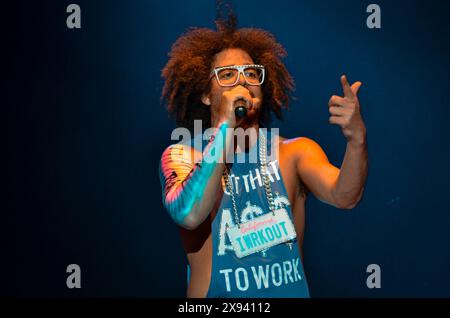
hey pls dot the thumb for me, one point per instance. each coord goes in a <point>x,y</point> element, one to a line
<point>355,87</point>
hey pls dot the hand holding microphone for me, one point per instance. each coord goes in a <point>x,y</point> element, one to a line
<point>235,105</point>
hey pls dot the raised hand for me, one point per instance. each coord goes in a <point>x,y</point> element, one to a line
<point>345,112</point>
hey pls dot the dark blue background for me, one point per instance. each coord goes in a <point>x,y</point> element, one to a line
<point>85,131</point>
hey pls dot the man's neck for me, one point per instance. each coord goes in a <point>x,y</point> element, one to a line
<point>252,125</point>
<point>249,142</point>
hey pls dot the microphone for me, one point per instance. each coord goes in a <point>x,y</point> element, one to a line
<point>240,111</point>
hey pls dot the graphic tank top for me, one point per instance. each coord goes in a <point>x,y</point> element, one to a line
<point>275,272</point>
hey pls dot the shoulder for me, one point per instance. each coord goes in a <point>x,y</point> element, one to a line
<point>179,159</point>
<point>300,147</point>
<point>298,143</point>
<point>181,152</point>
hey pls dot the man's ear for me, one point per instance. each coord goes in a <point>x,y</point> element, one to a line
<point>206,100</point>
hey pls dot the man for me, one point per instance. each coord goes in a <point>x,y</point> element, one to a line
<point>242,224</point>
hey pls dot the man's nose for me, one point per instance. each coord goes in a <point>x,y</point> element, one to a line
<point>242,79</point>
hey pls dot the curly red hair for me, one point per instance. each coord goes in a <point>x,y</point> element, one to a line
<point>187,71</point>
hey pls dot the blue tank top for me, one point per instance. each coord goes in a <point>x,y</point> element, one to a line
<point>276,272</point>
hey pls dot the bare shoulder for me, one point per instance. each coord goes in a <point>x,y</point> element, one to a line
<point>177,162</point>
<point>181,153</point>
<point>291,150</point>
<point>300,146</point>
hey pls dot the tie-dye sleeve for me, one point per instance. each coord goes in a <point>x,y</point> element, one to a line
<point>184,179</point>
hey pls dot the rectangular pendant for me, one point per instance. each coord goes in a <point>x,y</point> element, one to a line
<point>262,233</point>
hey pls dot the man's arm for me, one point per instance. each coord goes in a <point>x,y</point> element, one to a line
<point>186,175</point>
<point>342,188</point>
